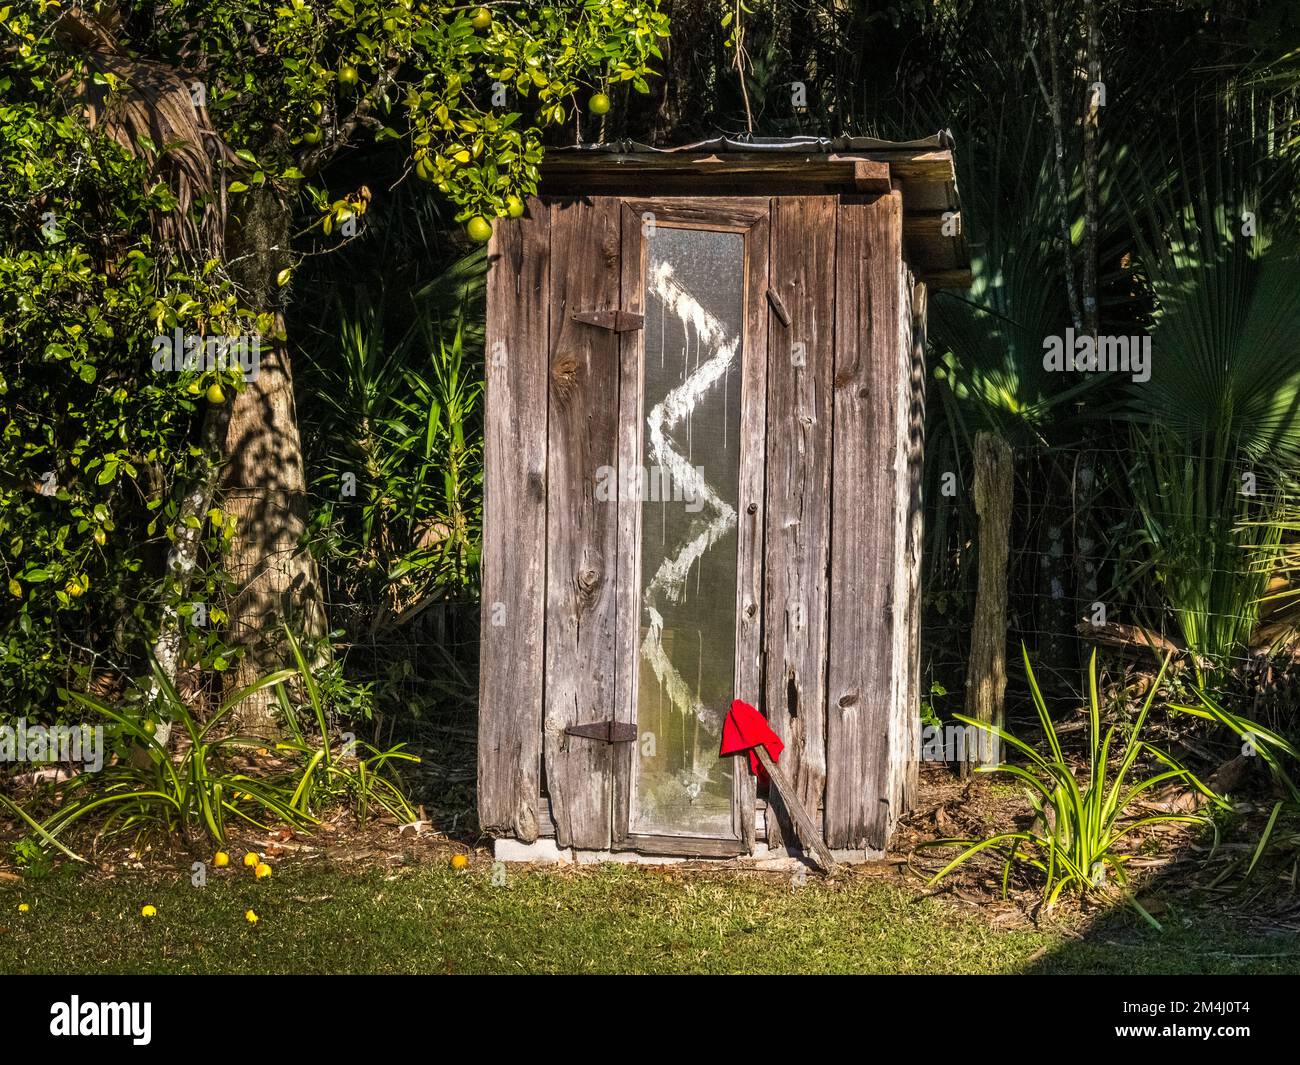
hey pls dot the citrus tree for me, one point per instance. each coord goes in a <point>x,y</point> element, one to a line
<point>190,169</point>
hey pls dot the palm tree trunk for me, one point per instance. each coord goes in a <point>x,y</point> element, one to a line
<point>263,482</point>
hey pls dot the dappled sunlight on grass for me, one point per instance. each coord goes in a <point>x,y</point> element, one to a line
<point>429,918</point>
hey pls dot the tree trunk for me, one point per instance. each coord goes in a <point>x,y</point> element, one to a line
<point>1052,98</point>
<point>1087,537</point>
<point>1091,69</point>
<point>263,481</point>
<point>986,671</point>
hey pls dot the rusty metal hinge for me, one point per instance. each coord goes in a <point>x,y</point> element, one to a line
<point>605,731</point>
<point>618,321</point>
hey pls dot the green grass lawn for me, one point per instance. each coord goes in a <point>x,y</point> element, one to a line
<point>431,919</point>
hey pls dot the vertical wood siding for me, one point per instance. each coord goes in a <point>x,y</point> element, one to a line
<point>514,525</point>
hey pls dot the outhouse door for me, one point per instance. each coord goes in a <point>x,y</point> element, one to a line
<point>655,485</point>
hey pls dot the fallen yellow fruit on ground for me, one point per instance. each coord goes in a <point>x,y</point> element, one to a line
<point>262,870</point>
<point>459,861</point>
<point>23,907</point>
<point>250,917</point>
<point>251,859</point>
<point>221,859</point>
<point>148,911</point>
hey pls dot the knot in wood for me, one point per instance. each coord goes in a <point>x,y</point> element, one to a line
<point>589,581</point>
<point>564,375</point>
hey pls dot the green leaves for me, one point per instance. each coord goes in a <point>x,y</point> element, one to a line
<point>93,440</point>
<point>411,69</point>
<point>198,788</point>
<point>1074,839</point>
<point>403,418</point>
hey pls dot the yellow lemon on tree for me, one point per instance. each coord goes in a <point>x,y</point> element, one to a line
<point>261,870</point>
<point>251,860</point>
<point>215,395</point>
<point>221,859</point>
<point>148,911</point>
<point>459,861</point>
<point>598,104</point>
<point>250,917</point>
<point>347,74</point>
<point>482,19</point>
<point>514,206</point>
<point>479,229</point>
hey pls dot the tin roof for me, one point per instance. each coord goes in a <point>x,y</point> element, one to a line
<point>921,169</point>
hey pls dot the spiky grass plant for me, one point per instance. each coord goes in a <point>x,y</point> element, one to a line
<point>1075,839</point>
<point>195,787</point>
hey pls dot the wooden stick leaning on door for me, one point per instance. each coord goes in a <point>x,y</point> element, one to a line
<point>746,731</point>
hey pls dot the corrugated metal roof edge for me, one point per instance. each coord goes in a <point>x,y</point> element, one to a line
<point>819,145</point>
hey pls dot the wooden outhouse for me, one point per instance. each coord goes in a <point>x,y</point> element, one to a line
<point>704,422</point>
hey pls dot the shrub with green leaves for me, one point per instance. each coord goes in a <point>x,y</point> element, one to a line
<point>472,90</point>
<point>96,449</point>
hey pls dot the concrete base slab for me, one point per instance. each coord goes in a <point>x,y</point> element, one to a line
<point>543,850</point>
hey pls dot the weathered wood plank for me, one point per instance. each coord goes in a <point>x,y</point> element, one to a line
<point>630,451</point>
<point>800,368</point>
<point>582,530</point>
<point>863,589</point>
<point>713,212</point>
<point>684,846</point>
<point>514,525</point>
<point>904,756</point>
<point>751,514</point>
<point>904,718</point>
<point>805,830</point>
<point>948,278</point>
<point>682,172</point>
<point>986,667</point>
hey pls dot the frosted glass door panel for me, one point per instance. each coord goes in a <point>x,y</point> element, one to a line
<point>689,492</point>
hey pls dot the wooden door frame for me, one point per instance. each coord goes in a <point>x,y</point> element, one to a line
<point>748,216</point>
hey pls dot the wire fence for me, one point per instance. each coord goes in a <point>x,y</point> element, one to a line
<point>1092,565</point>
<point>1082,573</point>
<point>419,673</point>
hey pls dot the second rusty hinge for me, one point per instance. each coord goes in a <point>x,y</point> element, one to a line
<point>605,731</point>
<point>618,321</point>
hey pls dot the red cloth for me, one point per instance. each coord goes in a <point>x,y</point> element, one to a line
<point>744,729</point>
